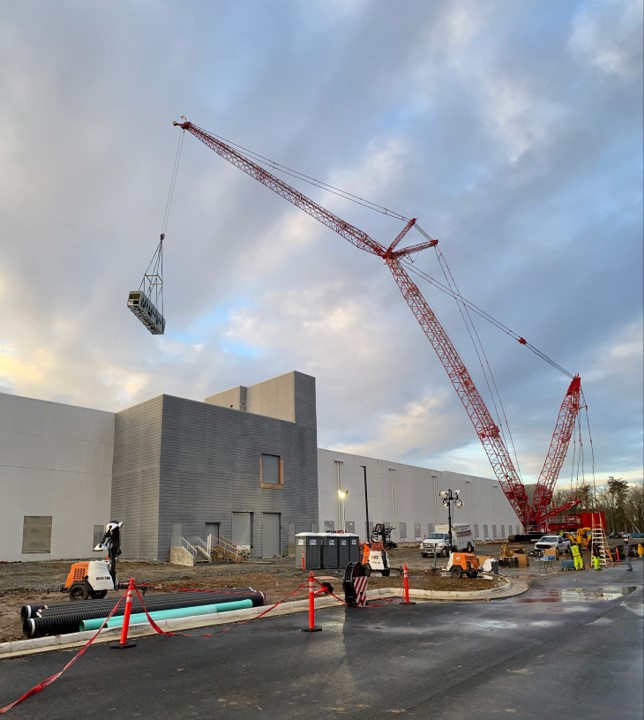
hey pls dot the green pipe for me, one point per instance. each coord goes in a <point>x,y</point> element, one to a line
<point>138,618</point>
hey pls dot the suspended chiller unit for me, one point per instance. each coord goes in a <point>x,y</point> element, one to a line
<point>147,302</point>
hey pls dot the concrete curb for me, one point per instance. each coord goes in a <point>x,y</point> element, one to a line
<point>18,648</point>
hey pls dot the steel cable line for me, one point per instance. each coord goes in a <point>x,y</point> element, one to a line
<point>488,375</point>
<point>273,165</point>
<point>474,308</point>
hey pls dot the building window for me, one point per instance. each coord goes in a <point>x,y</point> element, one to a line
<point>36,534</point>
<point>350,526</point>
<point>485,533</point>
<point>476,531</point>
<point>271,472</point>
<point>417,532</point>
<point>403,531</point>
<point>329,526</point>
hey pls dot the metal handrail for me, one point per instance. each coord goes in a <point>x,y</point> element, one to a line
<point>184,543</point>
<point>237,553</point>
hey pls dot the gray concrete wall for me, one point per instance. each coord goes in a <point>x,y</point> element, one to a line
<point>210,468</point>
<point>55,461</point>
<point>405,496</point>
<point>136,478</point>
<point>288,397</point>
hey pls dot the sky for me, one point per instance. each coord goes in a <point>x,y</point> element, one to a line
<point>511,130</point>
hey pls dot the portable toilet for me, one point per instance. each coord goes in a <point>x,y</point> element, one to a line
<point>354,548</point>
<point>344,550</point>
<point>308,551</point>
<point>329,550</point>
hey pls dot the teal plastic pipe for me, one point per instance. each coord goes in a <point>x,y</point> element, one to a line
<point>138,618</point>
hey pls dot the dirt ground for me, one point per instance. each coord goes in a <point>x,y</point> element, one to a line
<point>279,579</point>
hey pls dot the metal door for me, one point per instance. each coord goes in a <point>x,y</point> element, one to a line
<point>212,535</point>
<point>242,529</point>
<point>271,545</point>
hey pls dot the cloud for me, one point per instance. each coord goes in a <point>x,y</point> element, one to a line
<point>607,35</point>
<point>512,131</point>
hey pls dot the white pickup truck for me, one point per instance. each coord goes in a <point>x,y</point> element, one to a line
<point>438,542</point>
<point>553,541</point>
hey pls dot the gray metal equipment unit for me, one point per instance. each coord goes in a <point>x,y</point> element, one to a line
<point>308,551</point>
<point>141,305</point>
<point>330,551</point>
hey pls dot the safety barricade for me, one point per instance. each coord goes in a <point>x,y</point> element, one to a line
<point>356,597</point>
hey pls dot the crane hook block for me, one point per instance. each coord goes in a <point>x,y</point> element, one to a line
<point>141,305</point>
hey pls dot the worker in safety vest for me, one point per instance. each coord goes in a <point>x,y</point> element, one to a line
<point>577,559</point>
<point>596,562</point>
<point>640,551</point>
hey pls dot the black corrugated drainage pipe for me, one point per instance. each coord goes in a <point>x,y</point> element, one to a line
<point>66,617</point>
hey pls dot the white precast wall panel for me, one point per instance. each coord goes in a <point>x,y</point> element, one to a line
<point>55,461</point>
<point>406,494</point>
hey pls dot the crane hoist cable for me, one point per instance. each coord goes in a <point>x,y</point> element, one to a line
<point>147,302</point>
<point>482,313</point>
<point>332,189</point>
<point>479,348</point>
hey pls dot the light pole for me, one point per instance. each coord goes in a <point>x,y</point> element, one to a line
<point>342,494</point>
<point>450,498</point>
<point>366,503</point>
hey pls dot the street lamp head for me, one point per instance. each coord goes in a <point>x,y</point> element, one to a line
<point>342,494</point>
<point>444,493</point>
<point>457,492</point>
<point>459,503</point>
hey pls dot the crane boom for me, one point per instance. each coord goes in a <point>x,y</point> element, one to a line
<point>486,429</point>
<point>556,454</point>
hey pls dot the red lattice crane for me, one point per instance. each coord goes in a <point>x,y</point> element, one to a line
<point>486,429</point>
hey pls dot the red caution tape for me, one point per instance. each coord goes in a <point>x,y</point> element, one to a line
<point>48,681</point>
<point>52,678</point>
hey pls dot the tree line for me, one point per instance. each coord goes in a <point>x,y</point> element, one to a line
<point>621,503</point>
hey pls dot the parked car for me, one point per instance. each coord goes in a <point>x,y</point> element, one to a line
<point>558,542</point>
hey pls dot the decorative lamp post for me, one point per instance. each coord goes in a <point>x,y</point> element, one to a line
<point>450,498</point>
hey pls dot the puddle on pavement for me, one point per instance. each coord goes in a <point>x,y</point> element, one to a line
<point>611,592</point>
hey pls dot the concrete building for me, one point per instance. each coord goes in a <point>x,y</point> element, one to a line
<point>243,464</point>
<point>186,468</point>
<point>406,498</point>
<point>55,478</point>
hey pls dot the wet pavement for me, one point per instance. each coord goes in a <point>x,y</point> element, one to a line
<point>572,646</point>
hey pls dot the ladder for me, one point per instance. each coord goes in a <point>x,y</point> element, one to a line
<point>600,542</point>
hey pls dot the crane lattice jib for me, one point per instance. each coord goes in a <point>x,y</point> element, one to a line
<point>557,451</point>
<point>485,427</point>
<point>354,235</point>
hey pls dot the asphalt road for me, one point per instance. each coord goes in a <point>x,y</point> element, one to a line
<point>571,647</point>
